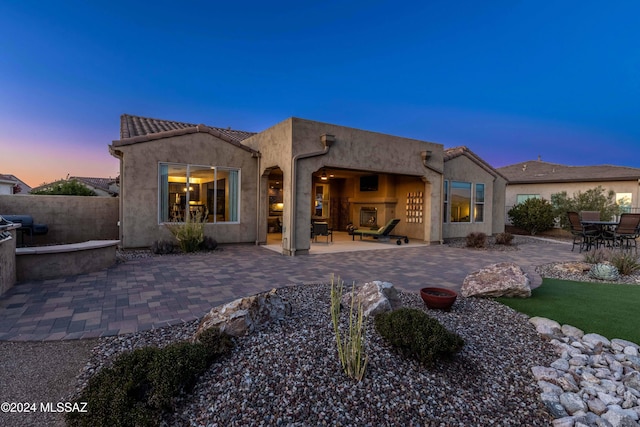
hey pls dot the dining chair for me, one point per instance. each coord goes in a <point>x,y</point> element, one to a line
<point>581,236</point>
<point>627,231</point>
<point>590,215</point>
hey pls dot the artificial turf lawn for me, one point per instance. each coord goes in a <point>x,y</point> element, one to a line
<point>610,310</point>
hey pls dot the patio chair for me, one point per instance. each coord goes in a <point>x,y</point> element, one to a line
<point>322,229</point>
<point>581,235</point>
<point>627,231</point>
<point>590,215</point>
<point>383,233</point>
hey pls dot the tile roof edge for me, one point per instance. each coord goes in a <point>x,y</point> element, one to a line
<point>179,132</point>
<point>463,150</point>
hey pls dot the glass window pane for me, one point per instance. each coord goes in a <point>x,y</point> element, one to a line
<point>520,198</point>
<point>460,201</point>
<point>201,180</point>
<point>173,192</point>
<point>227,195</point>
<point>479,193</point>
<point>163,197</point>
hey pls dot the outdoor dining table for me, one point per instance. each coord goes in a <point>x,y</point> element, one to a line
<point>604,229</point>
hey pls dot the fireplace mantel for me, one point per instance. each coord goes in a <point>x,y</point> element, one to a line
<point>370,200</point>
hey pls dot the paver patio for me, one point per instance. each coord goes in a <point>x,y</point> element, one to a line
<point>154,292</point>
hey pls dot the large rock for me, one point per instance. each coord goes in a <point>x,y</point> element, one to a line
<point>244,315</point>
<point>375,297</point>
<point>504,279</point>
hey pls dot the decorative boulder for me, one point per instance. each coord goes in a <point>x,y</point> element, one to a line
<point>504,279</point>
<point>375,297</point>
<point>244,315</point>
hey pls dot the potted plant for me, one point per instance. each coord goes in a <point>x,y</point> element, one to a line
<point>438,298</point>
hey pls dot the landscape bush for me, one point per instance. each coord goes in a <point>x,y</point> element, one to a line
<point>414,334</point>
<point>625,261</point>
<point>209,243</point>
<point>532,215</point>
<point>476,240</point>
<point>596,256</point>
<point>143,383</point>
<point>163,247</point>
<point>504,238</point>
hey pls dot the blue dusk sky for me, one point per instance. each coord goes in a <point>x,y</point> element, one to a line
<point>512,80</point>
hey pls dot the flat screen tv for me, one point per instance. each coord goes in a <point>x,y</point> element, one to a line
<point>369,183</point>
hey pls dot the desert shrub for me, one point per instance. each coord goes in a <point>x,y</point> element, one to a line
<point>504,238</point>
<point>351,348</point>
<point>216,342</point>
<point>532,215</point>
<point>189,234</point>
<point>413,333</point>
<point>118,395</point>
<point>476,240</point>
<point>163,247</point>
<point>625,261</point>
<point>597,256</point>
<point>173,370</point>
<point>209,243</point>
<point>141,384</point>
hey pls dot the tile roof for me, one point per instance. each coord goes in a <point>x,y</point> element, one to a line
<point>134,126</point>
<point>101,183</point>
<point>537,171</point>
<point>452,153</point>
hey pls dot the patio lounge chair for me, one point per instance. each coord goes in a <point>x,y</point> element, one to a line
<point>382,233</point>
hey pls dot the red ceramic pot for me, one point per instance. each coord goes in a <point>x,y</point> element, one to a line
<point>438,298</point>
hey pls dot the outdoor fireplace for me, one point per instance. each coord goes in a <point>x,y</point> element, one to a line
<point>368,217</point>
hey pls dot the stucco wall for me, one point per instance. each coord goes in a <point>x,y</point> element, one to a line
<point>71,219</point>
<point>463,169</point>
<point>353,149</point>
<point>545,190</point>
<point>140,225</point>
<point>8,263</point>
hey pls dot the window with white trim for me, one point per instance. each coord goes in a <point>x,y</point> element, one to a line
<point>624,200</point>
<point>521,198</point>
<point>461,204</point>
<point>210,192</point>
<point>478,210</point>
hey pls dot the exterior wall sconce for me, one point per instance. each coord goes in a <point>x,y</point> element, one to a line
<point>323,177</point>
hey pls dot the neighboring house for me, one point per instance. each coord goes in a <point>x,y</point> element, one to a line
<point>296,172</point>
<point>10,184</point>
<point>536,178</point>
<point>107,187</point>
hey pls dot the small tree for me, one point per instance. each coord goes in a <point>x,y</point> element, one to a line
<point>593,199</point>
<point>532,215</point>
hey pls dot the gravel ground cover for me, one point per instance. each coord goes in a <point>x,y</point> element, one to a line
<point>289,374</point>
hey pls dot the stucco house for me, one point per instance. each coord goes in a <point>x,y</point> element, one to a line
<point>535,178</point>
<point>10,184</point>
<point>296,172</point>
